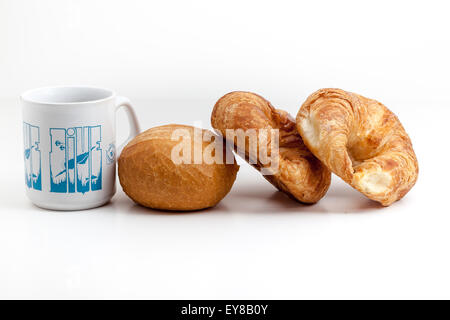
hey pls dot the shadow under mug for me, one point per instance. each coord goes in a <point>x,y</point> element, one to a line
<point>69,135</point>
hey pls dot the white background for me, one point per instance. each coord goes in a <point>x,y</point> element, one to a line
<point>174,59</point>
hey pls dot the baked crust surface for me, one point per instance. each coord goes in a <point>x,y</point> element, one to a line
<point>300,174</point>
<point>150,177</point>
<point>361,141</point>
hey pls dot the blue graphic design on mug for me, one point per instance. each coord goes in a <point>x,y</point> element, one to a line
<point>75,159</point>
<point>32,156</point>
<point>111,154</point>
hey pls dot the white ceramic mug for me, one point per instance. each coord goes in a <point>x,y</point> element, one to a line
<point>69,145</point>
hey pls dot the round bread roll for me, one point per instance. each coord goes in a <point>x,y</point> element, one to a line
<point>361,141</point>
<point>165,168</point>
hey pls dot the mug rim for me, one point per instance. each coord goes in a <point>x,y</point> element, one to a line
<point>23,96</point>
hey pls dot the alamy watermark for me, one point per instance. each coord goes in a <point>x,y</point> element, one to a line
<point>260,147</point>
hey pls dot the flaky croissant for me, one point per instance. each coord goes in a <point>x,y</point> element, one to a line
<point>300,174</point>
<point>360,140</point>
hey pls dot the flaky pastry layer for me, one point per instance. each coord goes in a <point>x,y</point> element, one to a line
<point>300,174</point>
<point>361,141</point>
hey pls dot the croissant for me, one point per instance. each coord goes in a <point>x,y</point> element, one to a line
<point>300,174</point>
<point>361,141</point>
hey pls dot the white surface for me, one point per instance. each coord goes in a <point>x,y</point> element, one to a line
<point>202,49</point>
<point>174,59</point>
<point>256,243</point>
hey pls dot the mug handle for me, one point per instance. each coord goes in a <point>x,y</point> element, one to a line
<point>122,102</point>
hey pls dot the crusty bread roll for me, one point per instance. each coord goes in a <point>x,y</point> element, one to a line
<point>150,177</point>
<point>360,140</point>
<point>299,174</point>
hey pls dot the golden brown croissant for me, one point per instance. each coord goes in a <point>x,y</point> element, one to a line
<point>299,174</point>
<point>360,140</point>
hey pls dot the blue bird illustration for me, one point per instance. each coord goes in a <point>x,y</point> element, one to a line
<point>59,144</point>
<point>81,159</point>
<point>27,152</point>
